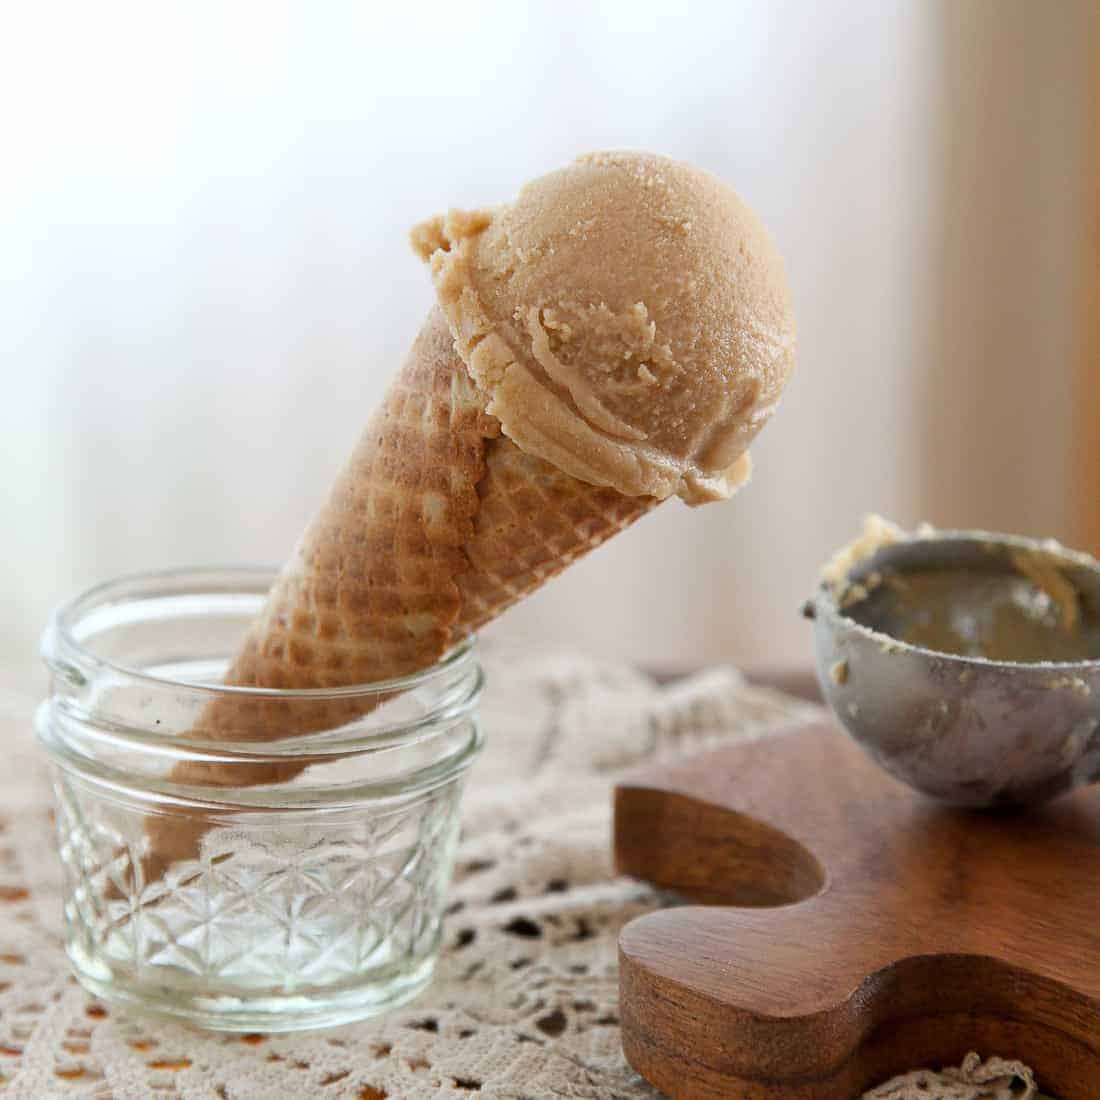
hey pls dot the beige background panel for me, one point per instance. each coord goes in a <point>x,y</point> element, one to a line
<point>1086,440</point>
<point>207,285</point>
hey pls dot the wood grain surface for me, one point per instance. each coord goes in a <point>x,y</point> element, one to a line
<point>853,929</point>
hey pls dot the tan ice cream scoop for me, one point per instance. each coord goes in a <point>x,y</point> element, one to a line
<point>627,317</point>
<point>623,330</point>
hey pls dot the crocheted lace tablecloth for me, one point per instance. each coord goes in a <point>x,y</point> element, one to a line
<point>524,1004</point>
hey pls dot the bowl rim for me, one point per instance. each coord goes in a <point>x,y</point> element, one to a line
<point>823,600</point>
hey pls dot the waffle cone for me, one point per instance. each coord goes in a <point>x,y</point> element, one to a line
<point>436,525</point>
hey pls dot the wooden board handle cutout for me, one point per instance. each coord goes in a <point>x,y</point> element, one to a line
<point>850,929</point>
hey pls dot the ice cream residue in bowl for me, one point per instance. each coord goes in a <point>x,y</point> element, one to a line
<point>966,663</point>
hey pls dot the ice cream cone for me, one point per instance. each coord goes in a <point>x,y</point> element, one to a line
<point>435,526</point>
<point>615,336</point>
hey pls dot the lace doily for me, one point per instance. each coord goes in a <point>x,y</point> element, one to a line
<point>524,1003</point>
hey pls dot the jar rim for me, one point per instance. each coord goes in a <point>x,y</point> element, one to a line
<point>65,654</point>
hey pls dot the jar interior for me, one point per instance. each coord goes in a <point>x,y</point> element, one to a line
<point>140,665</point>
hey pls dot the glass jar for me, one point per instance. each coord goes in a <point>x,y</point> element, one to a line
<point>306,878</point>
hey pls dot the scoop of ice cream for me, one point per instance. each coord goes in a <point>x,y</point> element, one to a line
<point>628,318</point>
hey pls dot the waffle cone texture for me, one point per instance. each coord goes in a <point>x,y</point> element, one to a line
<point>436,525</point>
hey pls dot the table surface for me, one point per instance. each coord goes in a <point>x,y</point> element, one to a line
<point>525,1001</point>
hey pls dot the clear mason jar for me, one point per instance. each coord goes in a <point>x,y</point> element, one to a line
<point>309,886</point>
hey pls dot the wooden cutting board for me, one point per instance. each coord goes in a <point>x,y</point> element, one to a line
<point>850,929</point>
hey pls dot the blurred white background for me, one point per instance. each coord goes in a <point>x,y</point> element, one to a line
<point>206,282</point>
